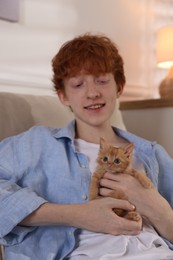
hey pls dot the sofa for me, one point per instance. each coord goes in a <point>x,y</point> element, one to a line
<point>19,112</point>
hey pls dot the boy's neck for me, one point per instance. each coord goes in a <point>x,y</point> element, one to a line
<point>92,134</point>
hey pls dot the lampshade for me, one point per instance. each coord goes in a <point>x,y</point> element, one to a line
<point>165,47</point>
<point>165,59</point>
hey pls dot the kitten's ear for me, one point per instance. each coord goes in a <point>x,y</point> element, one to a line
<point>103,143</point>
<point>129,150</point>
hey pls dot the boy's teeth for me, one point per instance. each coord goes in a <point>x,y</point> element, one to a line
<point>95,106</point>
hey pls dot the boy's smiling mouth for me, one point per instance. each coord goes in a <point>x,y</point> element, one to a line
<point>95,106</point>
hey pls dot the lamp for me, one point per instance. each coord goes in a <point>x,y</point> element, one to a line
<point>165,59</point>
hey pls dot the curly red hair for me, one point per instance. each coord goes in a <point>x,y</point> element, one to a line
<point>93,54</point>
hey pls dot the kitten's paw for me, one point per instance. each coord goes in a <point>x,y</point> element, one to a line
<point>133,215</point>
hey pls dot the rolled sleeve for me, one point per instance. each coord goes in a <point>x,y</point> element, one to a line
<point>15,208</point>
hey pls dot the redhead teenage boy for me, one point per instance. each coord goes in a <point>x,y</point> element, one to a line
<point>45,173</point>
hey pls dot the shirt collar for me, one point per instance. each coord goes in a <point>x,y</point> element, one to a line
<point>69,132</point>
<point>139,142</point>
<point>65,132</point>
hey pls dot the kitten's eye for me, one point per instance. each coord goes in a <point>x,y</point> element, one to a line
<point>105,159</point>
<point>117,161</point>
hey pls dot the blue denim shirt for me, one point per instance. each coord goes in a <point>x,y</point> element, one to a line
<point>42,165</point>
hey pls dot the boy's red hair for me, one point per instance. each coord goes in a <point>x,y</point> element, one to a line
<point>92,54</point>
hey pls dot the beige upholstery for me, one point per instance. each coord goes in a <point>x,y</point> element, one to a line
<point>20,112</point>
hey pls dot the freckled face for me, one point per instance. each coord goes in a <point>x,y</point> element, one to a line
<point>91,98</point>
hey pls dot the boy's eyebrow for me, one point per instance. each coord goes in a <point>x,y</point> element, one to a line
<point>75,77</point>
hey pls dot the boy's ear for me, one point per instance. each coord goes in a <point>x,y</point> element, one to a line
<point>119,90</point>
<point>62,97</point>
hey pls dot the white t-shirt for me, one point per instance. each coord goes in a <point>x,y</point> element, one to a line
<point>97,246</point>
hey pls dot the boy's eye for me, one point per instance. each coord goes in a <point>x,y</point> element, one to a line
<point>102,81</point>
<point>105,159</point>
<point>117,161</point>
<point>77,85</point>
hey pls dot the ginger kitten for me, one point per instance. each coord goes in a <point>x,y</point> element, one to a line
<point>116,160</point>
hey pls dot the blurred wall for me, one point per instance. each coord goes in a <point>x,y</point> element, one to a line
<point>27,47</point>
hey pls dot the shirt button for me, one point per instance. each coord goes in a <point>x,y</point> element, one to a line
<point>83,166</point>
<point>84,196</point>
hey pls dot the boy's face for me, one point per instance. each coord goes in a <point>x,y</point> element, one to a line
<point>91,98</point>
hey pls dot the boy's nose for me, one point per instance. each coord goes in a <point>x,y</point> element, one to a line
<point>92,91</point>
